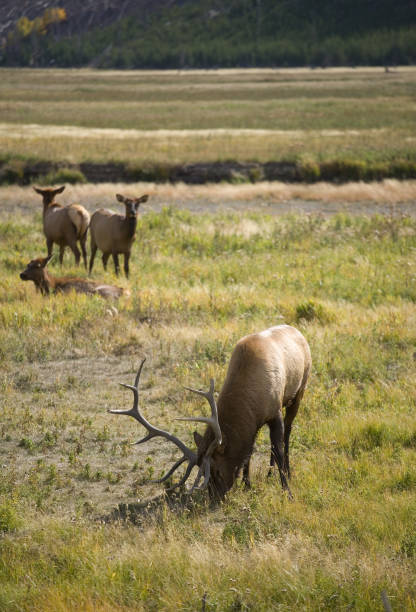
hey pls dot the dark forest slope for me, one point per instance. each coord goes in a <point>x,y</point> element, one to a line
<point>207,33</point>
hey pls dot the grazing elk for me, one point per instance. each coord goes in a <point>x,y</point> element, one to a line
<point>113,233</point>
<point>45,283</point>
<point>267,372</point>
<point>64,225</point>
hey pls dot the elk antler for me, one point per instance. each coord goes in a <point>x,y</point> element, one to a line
<point>188,454</point>
<point>213,422</point>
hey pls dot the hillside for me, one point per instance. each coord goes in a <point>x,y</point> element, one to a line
<point>207,33</point>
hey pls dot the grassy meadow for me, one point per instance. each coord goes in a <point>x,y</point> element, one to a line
<point>182,116</point>
<point>210,264</point>
<point>200,281</point>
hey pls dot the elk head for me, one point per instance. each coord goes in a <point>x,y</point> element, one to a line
<point>49,194</point>
<point>131,204</point>
<point>210,469</point>
<point>35,271</point>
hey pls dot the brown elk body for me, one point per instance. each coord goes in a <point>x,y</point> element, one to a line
<point>64,225</point>
<point>46,283</point>
<point>113,233</point>
<point>267,373</point>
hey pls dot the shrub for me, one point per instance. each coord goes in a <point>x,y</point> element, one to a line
<point>9,521</point>
<point>343,170</point>
<point>12,172</point>
<point>309,171</point>
<point>403,169</point>
<point>158,173</point>
<point>63,175</point>
<point>313,311</point>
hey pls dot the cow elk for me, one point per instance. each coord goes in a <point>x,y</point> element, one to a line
<point>113,233</point>
<point>64,225</point>
<point>45,283</point>
<point>268,371</point>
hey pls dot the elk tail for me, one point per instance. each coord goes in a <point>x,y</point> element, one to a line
<point>80,218</point>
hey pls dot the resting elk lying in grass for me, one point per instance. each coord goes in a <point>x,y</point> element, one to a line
<point>64,225</point>
<point>268,371</point>
<point>113,233</point>
<point>36,271</point>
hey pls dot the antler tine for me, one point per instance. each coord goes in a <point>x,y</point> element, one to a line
<point>134,411</point>
<point>136,382</point>
<point>205,467</point>
<point>183,479</point>
<point>212,420</point>
<point>170,472</point>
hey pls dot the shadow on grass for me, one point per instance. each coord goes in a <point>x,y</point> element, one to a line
<point>155,508</point>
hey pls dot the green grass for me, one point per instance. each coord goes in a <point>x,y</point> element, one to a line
<point>199,282</point>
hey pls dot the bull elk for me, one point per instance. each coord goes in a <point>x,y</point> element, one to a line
<point>64,225</point>
<point>113,233</point>
<point>268,371</point>
<point>45,283</point>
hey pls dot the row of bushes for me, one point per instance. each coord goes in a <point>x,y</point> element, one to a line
<point>356,170</point>
<point>380,49</point>
<point>20,172</point>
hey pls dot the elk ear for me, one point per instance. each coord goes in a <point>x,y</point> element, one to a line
<point>45,261</point>
<point>40,191</point>
<point>120,198</point>
<point>198,439</point>
<point>144,198</point>
<point>59,189</point>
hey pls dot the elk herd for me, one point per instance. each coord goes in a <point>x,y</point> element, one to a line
<point>267,373</point>
<point>65,226</point>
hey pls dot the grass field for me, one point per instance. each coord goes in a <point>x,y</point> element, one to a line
<point>200,281</point>
<point>297,115</point>
<point>211,264</point>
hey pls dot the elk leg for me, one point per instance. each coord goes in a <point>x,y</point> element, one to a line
<point>276,438</point>
<point>75,250</point>
<point>116,263</point>
<point>93,252</point>
<point>272,462</point>
<point>61,254</point>
<point>291,412</point>
<point>82,242</point>
<point>49,246</point>
<point>246,473</point>
<point>126,264</point>
<point>105,259</point>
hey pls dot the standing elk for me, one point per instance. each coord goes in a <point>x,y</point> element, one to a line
<point>268,371</point>
<point>45,283</point>
<point>113,233</point>
<point>64,225</point>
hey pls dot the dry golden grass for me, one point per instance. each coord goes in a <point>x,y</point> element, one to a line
<point>273,198</point>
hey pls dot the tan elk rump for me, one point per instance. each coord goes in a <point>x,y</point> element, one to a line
<point>268,371</point>
<point>113,233</point>
<point>64,225</point>
<point>37,272</point>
